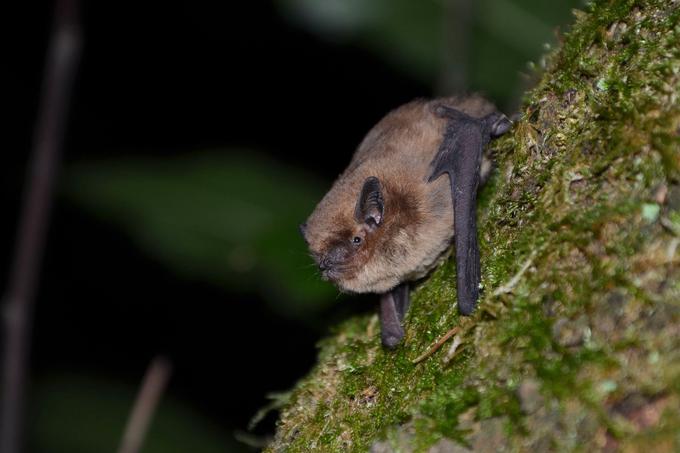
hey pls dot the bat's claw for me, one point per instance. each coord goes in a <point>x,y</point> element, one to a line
<point>499,124</point>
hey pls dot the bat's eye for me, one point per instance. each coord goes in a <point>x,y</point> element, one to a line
<point>356,240</point>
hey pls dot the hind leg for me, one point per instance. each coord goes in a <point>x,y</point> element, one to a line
<point>393,307</point>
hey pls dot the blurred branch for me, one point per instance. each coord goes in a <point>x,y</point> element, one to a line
<point>457,33</point>
<point>155,380</point>
<point>513,25</point>
<point>62,56</point>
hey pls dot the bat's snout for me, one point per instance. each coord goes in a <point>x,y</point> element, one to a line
<point>325,264</point>
<point>333,264</point>
<point>328,270</point>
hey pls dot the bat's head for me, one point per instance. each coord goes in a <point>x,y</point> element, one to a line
<point>359,234</point>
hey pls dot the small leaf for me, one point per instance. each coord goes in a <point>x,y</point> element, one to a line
<point>650,212</point>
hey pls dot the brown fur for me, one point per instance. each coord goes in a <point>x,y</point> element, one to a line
<point>417,225</point>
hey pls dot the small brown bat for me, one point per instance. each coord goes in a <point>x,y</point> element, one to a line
<point>389,217</point>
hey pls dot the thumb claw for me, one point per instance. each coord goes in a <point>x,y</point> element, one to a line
<point>500,126</point>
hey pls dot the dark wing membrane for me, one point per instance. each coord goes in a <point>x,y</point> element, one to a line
<point>464,184</point>
<point>460,155</point>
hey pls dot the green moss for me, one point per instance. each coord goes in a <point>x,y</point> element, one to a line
<point>576,205</point>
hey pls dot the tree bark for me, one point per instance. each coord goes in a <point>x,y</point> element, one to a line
<point>576,341</point>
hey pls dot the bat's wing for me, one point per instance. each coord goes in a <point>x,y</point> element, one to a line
<point>460,155</point>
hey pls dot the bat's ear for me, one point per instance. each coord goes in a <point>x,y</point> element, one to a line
<point>370,205</point>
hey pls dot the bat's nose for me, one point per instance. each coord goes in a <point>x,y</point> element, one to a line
<point>333,259</point>
<point>325,264</point>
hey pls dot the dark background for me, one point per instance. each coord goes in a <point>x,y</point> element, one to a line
<point>162,86</point>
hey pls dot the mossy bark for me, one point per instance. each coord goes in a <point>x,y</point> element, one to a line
<point>576,341</point>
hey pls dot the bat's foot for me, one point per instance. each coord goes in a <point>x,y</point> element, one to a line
<point>393,307</point>
<point>390,341</point>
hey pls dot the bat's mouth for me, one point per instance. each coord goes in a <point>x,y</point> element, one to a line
<point>333,266</point>
<point>332,274</point>
<point>335,273</point>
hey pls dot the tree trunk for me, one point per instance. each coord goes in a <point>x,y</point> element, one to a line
<point>576,341</point>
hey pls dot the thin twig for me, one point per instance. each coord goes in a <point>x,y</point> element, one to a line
<point>436,346</point>
<point>60,68</point>
<point>457,26</point>
<point>508,287</point>
<point>149,395</point>
<point>453,350</point>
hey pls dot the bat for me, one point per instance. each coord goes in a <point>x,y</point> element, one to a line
<point>391,216</point>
